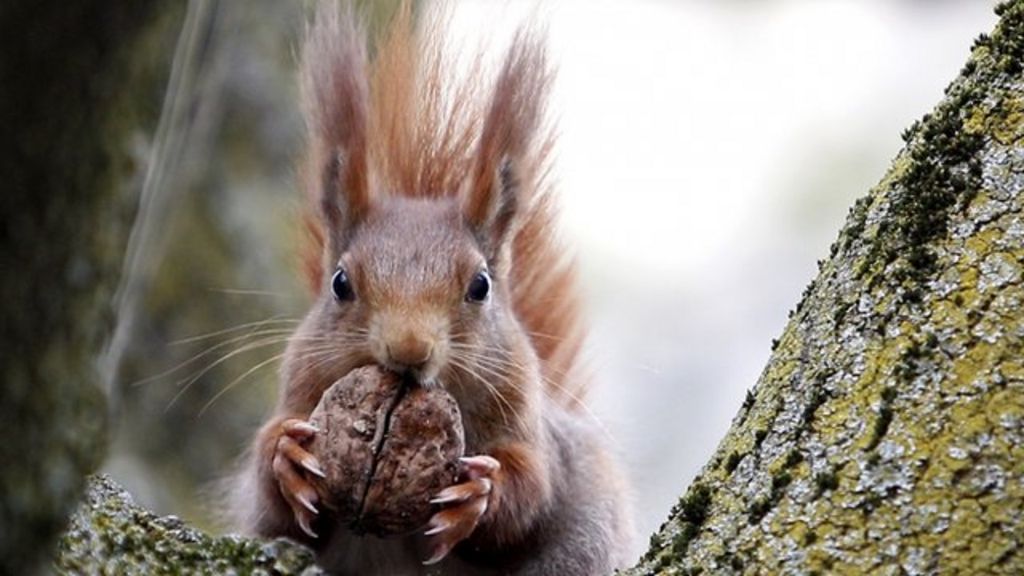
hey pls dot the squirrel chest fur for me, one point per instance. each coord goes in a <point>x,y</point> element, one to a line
<point>433,255</point>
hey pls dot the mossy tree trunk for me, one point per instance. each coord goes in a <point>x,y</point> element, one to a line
<point>886,434</point>
<point>78,80</point>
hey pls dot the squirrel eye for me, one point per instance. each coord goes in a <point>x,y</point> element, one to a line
<point>341,286</point>
<point>479,288</point>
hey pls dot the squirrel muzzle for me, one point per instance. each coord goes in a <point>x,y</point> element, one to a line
<point>407,344</point>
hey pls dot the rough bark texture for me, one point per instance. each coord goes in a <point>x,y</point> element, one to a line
<point>110,535</point>
<point>73,78</point>
<point>886,434</point>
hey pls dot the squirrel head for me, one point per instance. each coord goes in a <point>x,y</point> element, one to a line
<point>436,254</point>
<point>419,285</point>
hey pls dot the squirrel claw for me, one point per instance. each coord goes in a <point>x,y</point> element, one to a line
<point>436,528</point>
<point>303,523</point>
<point>289,461</point>
<point>312,465</point>
<point>299,429</point>
<point>475,488</point>
<point>465,504</point>
<point>453,525</point>
<point>306,503</point>
<point>438,555</point>
<point>474,467</point>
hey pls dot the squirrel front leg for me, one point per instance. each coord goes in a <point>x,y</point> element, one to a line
<point>285,502</point>
<point>274,490</point>
<point>498,499</point>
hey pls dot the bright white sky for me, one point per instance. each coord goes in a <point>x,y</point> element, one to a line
<point>708,154</point>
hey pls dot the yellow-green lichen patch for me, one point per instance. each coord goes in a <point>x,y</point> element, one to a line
<point>976,121</point>
<point>1008,121</point>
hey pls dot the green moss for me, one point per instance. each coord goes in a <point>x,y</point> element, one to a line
<point>943,168</point>
<point>691,511</point>
<point>779,483</point>
<point>855,222</point>
<point>733,461</point>
<point>793,458</point>
<point>761,506</point>
<point>884,418</point>
<point>826,482</point>
<point>693,507</point>
<point>759,437</point>
<point>110,535</point>
<point>808,290</point>
<point>819,395</point>
<point>655,542</point>
<point>840,313</point>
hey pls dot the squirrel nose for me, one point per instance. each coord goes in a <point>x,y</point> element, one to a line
<point>410,353</point>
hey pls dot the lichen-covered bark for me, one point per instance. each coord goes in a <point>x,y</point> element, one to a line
<point>110,535</point>
<point>886,434</point>
<point>76,79</point>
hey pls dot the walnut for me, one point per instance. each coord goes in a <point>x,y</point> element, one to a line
<point>387,447</point>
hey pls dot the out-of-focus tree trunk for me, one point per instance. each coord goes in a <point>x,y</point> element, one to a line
<point>78,80</point>
<point>886,434</point>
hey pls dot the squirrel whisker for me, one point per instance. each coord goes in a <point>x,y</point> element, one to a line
<point>273,337</point>
<point>320,354</point>
<point>491,389</point>
<point>320,357</point>
<point>552,385</point>
<point>257,324</point>
<point>238,380</point>
<point>186,383</point>
<point>283,332</point>
<point>247,292</point>
<point>507,376</point>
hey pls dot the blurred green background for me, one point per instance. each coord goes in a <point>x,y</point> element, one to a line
<point>708,153</point>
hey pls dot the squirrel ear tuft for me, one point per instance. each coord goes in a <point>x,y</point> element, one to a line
<point>344,198</point>
<point>335,94</point>
<point>490,209</point>
<point>504,176</point>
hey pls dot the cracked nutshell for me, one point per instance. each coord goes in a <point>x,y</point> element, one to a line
<point>387,447</point>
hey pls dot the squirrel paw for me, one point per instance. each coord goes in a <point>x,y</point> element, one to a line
<point>465,503</point>
<point>290,460</point>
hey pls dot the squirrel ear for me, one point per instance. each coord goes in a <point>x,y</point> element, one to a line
<point>344,198</point>
<point>511,141</point>
<point>490,209</point>
<point>335,95</point>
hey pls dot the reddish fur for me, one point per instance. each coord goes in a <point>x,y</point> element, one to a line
<point>420,182</point>
<point>521,489</point>
<point>312,260</point>
<point>434,133</point>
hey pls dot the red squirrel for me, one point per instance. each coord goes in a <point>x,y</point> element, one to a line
<point>434,253</point>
